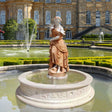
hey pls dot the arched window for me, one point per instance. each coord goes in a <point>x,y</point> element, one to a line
<point>20,16</point>
<point>36,16</point>
<point>107,17</point>
<point>68,34</point>
<point>88,17</point>
<point>58,13</point>
<point>2,17</point>
<point>68,17</point>
<point>47,34</point>
<point>48,17</point>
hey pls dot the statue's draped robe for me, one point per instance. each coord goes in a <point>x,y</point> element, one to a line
<point>58,51</point>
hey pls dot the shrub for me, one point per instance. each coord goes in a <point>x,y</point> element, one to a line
<point>12,62</point>
<point>105,64</point>
<point>89,62</point>
<point>27,61</point>
<point>10,29</point>
<point>76,62</point>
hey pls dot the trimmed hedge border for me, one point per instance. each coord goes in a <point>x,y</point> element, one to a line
<point>105,61</point>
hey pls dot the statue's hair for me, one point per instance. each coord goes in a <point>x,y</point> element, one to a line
<point>57,17</point>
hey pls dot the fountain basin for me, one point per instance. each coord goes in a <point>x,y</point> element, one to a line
<point>55,96</point>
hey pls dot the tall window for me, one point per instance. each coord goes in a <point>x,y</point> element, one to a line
<point>107,17</point>
<point>58,1</point>
<point>20,16</point>
<point>47,34</point>
<point>68,17</point>
<point>88,17</point>
<point>68,1</point>
<point>36,16</point>
<point>47,1</point>
<point>2,17</point>
<point>98,0</point>
<point>48,17</point>
<point>68,34</point>
<point>36,0</point>
<point>2,0</point>
<point>58,13</point>
<point>97,18</point>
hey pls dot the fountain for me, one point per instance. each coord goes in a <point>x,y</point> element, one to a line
<point>61,88</point>
<point>24,27</point>
<point>55,95</point>
<point>101,36</point>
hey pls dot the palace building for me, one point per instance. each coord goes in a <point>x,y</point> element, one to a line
<point>79,16</point>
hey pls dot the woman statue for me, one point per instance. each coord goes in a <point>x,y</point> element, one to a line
<point>58,65</point>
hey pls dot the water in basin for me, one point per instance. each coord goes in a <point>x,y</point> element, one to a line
<point>41,77</point>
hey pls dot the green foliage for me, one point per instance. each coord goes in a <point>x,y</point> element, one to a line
<point>76,62</point>
<point>105,61</point>
<point>90,37</point>
<point>12,62</point>
<point>105,64</point>
<point>96,37</point>
<point>31,25</point>
<point>10,29</point>
<point>89,62</point>
<point>27,62</point>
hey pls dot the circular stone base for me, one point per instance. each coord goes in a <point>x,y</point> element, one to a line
<point>56,104</point>
<point>52,96</point>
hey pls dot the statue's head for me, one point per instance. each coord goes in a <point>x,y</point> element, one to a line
<point>57,20</point>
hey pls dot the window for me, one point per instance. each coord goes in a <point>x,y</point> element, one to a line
<point>88,17</point>
<point>58,1</point>
<point>36,16</point>
<point>37,35</point>
<point>68,1</point>
<point>47,34</point>
<point>48,17</point>
<point>47,1</point>
<point>68,17</point>
<point>97,18</point>
<point>58,13</point>
<point>88,0</point>
<point>107,0</point>
<point>107,17</point>
<point>20,16</point>
<point>36,0</point>
<point>2,0</point>
<point>2,17</point>
<point>98,0</point>
<point>68,34</point>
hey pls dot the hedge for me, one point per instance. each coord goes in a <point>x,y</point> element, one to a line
<point>105,61</point>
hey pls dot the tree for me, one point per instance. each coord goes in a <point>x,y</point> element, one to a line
<point>10,29</point>
<point>28,26</point>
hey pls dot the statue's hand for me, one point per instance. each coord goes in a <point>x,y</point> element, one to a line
<point>55,38</point>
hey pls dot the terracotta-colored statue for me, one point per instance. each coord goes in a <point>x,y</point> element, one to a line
<point>58,65</point>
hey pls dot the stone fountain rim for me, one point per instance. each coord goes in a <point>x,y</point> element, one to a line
<point>23,80</point>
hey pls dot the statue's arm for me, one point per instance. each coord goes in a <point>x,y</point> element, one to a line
<point>55,38</point>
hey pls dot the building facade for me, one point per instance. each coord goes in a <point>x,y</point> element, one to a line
<point>77,15</point>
